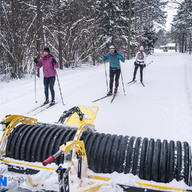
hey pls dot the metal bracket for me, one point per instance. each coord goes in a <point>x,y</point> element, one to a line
<point>69,112</point>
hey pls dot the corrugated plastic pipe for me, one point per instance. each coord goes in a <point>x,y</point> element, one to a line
<point>149,159</point>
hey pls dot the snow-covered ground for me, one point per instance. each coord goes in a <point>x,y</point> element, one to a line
<point>161,110</point>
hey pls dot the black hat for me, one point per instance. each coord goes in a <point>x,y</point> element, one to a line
<point>46,49</point>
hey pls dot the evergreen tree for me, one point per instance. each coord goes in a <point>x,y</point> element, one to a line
<point>76,31</point>
<point>182,26</point>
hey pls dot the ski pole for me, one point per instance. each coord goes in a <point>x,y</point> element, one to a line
<point>106,76</point>
<point>122,79</point>
<point>35,85</point>
<point>60,88</point>
<point>149,63</point>
<point>35,82</point>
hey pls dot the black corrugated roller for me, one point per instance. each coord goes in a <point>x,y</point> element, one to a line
<point>149,159</point>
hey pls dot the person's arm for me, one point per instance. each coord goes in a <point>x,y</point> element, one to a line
<point>35,60</point>
<point>39,63</point>
<point>144,58</point>
<point>120,57</point>
<point>136,56</point>
<point>104,59</point>
<point>56,65</point>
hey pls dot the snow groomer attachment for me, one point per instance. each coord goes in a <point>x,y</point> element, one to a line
<point>79,154</point>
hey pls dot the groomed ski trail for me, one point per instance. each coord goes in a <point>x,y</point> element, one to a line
<point>161,107</point>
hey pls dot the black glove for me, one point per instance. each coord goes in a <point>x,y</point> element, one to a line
<point>144,65</point>
<point>135,63</point>
<point>35,60</point>
<point>53,61</point>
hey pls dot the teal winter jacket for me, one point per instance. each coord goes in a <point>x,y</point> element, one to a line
<point>113,59</point>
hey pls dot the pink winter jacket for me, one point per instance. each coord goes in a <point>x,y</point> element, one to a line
<point>48,67</point>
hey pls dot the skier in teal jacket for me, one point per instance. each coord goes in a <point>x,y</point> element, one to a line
<point>113,56</point>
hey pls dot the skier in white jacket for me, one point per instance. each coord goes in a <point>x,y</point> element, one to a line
<point>140,62</point>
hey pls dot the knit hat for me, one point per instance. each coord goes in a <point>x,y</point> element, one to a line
<point>111,47</point>
<point>141,48</point>
<point>46,49</point>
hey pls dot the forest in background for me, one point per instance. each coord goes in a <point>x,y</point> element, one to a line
<point>181,29</point>
<point>78,31</point>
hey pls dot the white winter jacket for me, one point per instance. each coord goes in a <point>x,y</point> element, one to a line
<point>141,58</point>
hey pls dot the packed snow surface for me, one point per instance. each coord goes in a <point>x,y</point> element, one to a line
<point>160,110</point>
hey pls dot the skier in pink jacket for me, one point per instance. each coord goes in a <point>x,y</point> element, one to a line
<point>49,64</point>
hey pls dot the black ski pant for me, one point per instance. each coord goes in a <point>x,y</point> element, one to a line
<point>114,74</point>
<point>49,83</point>
<point>141,72</point>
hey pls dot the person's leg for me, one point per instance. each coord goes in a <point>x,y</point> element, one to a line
<point>117,75</point>
<point>51,84</point>
<point>46,85</point>
<point>141,72</point>
<point>111,75</point>
<point>135,72</point>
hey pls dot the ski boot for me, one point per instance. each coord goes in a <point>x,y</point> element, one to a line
<point>46,101</point>
<point>116,89</point>
<point>52,103</point>
<point>110,92</point>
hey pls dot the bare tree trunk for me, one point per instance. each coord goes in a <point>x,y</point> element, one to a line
<point>135,21</point>
<point>182,43</point>
<point>59,34</point>
<point>94,41</point>
<point>189,42</point>
<point>186,41</point>
<point>141,28</point>
<point>15,44</point>
<point>129,28</point>
<point>39,33</point>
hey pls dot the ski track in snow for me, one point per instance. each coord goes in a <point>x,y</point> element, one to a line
<point>161,110</point>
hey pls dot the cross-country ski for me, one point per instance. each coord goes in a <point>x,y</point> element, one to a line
<point>41,109</point>
<point>143,84</point>
<point>101,98</point>
<point>114,95</point>
<point>131,82</point>
<point>135,81</point>
<point>36,108</point>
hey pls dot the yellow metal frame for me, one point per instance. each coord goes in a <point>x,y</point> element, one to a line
<point>89,116</point>
<point>76,146</point>
<point>83,127</point>
<point>13,120</point>
<point>79,148</point>
<point>160,187</point>
<point>27,164</point>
